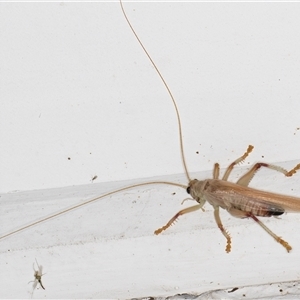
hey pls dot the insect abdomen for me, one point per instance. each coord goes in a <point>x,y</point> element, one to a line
<point>276,212</point>
<point>259,209</point>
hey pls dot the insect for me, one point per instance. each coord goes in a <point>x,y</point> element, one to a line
<point>37,276</point>
<point>238,199</point>
<point>94,178</point>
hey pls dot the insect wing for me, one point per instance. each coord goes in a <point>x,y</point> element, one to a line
<point>257,202</point>
<point>34,284</point>
<point>40,270</point>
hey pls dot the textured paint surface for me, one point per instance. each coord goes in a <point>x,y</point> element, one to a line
<point>108,249</point>
<point>79,97</point>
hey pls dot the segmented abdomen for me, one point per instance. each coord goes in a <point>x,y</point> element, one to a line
<point>258,208</point>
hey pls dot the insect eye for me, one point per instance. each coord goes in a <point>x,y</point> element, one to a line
<point>188,190</point>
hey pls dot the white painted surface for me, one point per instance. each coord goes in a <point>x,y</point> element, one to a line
<point>75,84</point>
<point>108,249</point>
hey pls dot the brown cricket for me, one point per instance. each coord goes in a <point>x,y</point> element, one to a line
<point>237,198</point>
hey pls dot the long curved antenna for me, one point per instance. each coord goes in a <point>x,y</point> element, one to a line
<point>128,187</point>
<point>168,89</point>
<point>87,202</point>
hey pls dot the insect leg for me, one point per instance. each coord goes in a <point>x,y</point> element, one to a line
<point>276,237</point>
<point>223,230</point>
<point>34,283</point>
<point>180,213</point>
<point>237,161</point>
<point>33,286</point>
<point>216,171</point>
<point>245,179</point>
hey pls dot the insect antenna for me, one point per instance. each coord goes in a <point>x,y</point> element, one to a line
<point>88,202</point>
<point>169,92</point>
<point>135,185</point>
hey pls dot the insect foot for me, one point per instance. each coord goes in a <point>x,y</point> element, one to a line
<point>228,246</point>
<point>293,171</point>
<point>284,244</point>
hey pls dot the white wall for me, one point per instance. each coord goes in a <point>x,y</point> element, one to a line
<point>75,83</point>
<point>107,250</point>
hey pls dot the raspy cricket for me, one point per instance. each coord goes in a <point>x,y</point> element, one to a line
<point>237,198</point>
